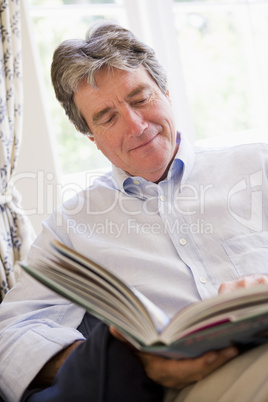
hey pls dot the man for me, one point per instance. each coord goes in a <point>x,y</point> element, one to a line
<point>177,224</point>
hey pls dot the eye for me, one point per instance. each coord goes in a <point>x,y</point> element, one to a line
<point>108,120</point>
<point>141,101</point>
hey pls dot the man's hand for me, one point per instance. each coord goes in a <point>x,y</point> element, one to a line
<point>244,282</point>
<point>181,373</point>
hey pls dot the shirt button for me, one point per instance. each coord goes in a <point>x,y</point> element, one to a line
<point>162,198</point>
<point>135,181</point>
<point>203,280</point>
<point>183,241</point>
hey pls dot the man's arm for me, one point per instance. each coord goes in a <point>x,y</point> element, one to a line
<point>47,374</point>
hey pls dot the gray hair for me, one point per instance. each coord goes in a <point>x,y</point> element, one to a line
<point>106,45</point>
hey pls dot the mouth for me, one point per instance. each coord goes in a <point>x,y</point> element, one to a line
<point>144,144</point>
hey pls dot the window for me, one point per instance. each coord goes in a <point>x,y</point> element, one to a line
<point>222,48</point>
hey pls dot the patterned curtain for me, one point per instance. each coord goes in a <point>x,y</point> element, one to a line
<point>16,233</point>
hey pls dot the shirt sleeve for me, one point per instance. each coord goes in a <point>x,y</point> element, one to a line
<point>35,324</point>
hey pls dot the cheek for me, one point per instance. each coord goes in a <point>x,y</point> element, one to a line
<point>107,146</point>
<point>161,111</point>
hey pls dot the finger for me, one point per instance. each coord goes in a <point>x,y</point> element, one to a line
<point>227,287</point>
<point>238,284</point>
<point>214,360</point>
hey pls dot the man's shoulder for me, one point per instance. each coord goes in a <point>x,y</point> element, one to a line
<point>98,190</point>
<point>231,161</point>
<point>253,149</point>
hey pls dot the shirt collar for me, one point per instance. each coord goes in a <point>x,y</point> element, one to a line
<point>180,167</point>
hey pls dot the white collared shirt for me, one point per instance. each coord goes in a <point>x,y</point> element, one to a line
<point>176,241</point>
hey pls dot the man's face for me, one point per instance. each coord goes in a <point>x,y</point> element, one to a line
<point>131,120</point>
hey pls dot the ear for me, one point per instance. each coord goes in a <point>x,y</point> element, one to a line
<point>93,140</point>
<point>168,97</point>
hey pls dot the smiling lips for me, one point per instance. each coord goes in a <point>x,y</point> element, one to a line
<point>144,144</point>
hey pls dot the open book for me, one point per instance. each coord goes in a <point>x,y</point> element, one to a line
<point>239,317</point>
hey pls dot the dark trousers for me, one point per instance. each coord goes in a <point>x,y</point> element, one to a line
<point>102,369</point>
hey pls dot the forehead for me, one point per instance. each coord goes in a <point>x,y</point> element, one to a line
<point>112,83</point>
<point>113,76</point>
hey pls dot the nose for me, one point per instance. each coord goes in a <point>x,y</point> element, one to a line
<point>134,122</point>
